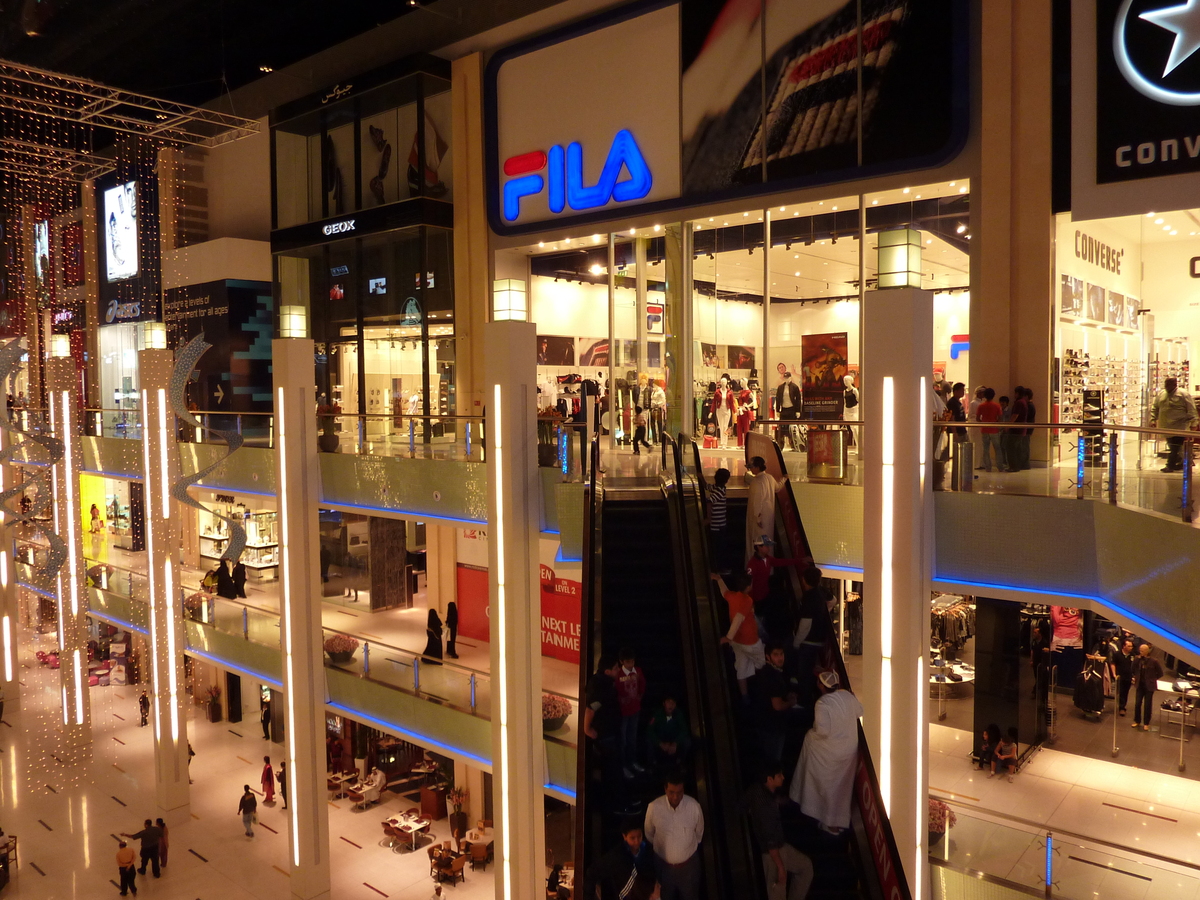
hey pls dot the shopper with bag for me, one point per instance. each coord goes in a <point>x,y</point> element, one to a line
<point>248,810</point>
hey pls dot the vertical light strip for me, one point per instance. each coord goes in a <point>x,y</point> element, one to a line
<point>64,705</point>
<point>155,677</point>
<point>164,470</point>
<point>73,509</point>
<point>924,430</point>
<point>285,600</point>
<point>78,688</point>
<point>922,796</point>
<point>8,651</point>
<point>501,621</point>
<point>886,585</point>
<point>172,673</point>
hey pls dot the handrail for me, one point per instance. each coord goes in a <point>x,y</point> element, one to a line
<point>711,707</point>
<point>589,646</point>
<point>990,879</point>
<point>1029,823</point>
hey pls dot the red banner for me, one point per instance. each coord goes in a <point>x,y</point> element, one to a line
<point>472,601</point>
<point>560,599</point>
<point>875,824</point>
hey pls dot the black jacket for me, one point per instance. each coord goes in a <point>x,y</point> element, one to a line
<point>793,390</point>
<point>615,872</point>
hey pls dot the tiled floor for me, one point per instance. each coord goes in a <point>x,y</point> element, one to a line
<point>1096,799</point>
<point>64,816</point>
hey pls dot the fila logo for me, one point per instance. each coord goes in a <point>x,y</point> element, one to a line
<point>564,172</point>
<point>339,227</point>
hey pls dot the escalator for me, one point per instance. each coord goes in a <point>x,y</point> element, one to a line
<point>646,584</point>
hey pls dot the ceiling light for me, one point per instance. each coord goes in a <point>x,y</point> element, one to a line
<point>783,209</point>
<point>929,241</point>
<point>1158,221</point>
<point>952,184</point>
<point>835,207</point>
<point>541,243</point>
<point>595,238</point>
<point>266,69</point>
<point>745,214</point>
<point>1174,232</point>
<point>1166,228</point>
<point>962,190</point>
<point>1149,215</point>
<point>658,228</point>
<point>596,269</point>
<point>710,218</point>
<point>797,274</point>
<point>961,229</point>
<point>697,227</point>
<point>633,231</point>
<point>874,202</point>
<point>905,191</point>
<point>796,256</point>
<point>918,196</point>
<point>566,240</point>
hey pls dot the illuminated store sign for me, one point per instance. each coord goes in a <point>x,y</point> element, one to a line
<point>564,173</point>
<point>1147,88</point>
<point>338,227</point>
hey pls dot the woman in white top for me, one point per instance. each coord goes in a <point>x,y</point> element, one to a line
<point>975,434</point>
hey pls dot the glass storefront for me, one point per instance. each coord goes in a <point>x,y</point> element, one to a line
<point>774,301</point>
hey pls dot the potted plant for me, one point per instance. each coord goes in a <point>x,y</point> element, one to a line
<point>327,440</point>
<point>458,819</point>
<point>555,711</point>
<point>340,648</point>
<point>214,703</point>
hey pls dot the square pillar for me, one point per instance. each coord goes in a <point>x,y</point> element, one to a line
<point>297,480</point>
<point>9,611</point>
<point>515,609</point>
<point>160,455</point>
<point>62,388</point>
<point>897,562</point>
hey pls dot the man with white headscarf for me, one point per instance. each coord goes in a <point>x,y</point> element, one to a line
<point>824,778</point>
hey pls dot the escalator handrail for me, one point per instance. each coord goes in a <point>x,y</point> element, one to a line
<point>739,862</point>
<point>588,643</point>
<point>889,867</point>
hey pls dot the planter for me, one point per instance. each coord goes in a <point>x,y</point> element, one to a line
<point>459,822</point>
<point>328,442</point>
<point>340,658</point>
<point>554,724</point>
<point>214,711</point>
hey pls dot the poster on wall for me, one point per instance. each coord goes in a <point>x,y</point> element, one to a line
<point>41,262</point>
<point>1131,312</point>
<point>741,357</point>
<point>1097,305</point>
<point>822,365</point>
<point>1116,308</point>
<point>120,232</point>
<point>1072,296</point>
<point>592,352</point>
<point>554,350</point>
<point>560,615</point>
<point>708,356</point>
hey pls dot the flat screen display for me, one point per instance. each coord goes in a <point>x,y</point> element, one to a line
<point>41,253</point>
<point>121,232</point>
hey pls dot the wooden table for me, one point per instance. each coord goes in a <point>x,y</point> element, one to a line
<point>410,825</point>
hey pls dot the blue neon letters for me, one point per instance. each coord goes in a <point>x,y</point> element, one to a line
<point>564,173</point>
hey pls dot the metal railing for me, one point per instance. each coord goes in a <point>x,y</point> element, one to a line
<point>405,436</point>
<point>1116,463</point>
<point>256,428</point>
<point>1029,858</point>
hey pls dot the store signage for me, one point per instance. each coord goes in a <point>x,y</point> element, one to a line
<point>338,227</point>
<point>959,344</point>
<point>1098,253</point>
<point>1147,89</point>
<point>122,312</point>
<point>564,172</point>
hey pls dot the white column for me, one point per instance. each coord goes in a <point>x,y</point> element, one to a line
<point>897,547</point>
<point>62,384</point>
<point>160,455</point>
<point>515,610</point>
<point>9,614</point>
<point>296,483</point>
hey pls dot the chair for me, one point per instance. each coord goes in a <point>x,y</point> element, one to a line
<point>390,836</point>
<point>435,859</point>
<point>359,798</point>
<point>334,787</point>
<point>487,823</point>
<point>491,850</point>
<point>455,870</point>
<point>479,856</point>
<point>412,811</point>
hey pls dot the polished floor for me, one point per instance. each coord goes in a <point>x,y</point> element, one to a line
<point>65,814</point>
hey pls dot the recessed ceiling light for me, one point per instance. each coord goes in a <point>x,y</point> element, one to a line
<point>796,256</point>
<point>797,274</point>
<point>1166,228</point>
<point>905,191</point>
<point>918,196</point>
<point>1158,221</point>
<point>566,240</point>
<point>962,190</point>
<point>745,214</point>
<point>1149,215</point>
<point>633,231</point>
<point>783,209</point>
<point>952,184</point>
<point>874,202</point>
<point>697,227</point>
<point>835,207</point>
<point>595,238</point>
<point>710,218</point>
<point>795,214</point>
<point>658,228</point>
<point>1174,232</point>
<point>596,269</point>
<point>541,243</point>
<point>930,241</point>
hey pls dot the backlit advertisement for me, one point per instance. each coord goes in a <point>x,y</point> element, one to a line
<point>121,232</point>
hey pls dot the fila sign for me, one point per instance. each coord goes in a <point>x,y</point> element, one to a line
<point>625,177</point>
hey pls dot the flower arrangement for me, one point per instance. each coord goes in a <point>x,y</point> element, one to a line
<point>554,707</point>
<point>340,643</point>
<point>214,693</point>
<point>457,797</point>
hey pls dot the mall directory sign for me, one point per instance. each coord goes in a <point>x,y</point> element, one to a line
<point>662,105</point>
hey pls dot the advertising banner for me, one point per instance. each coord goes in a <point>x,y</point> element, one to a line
<point>823,366</point>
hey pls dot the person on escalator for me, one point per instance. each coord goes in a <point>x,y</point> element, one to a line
<point>760,502</point>
<point>780,859</point>
<point>602,724</point>
<point>770,608</point>
<point>776,702</point>
<point>824,776</point>
<point>718,521</point>
<point>668,737</point>
<point>742,636</point>
<point>614,874</point>
<point>812,633</point>
<point>631,688</point>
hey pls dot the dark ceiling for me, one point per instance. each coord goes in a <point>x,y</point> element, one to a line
<point>190,51</point>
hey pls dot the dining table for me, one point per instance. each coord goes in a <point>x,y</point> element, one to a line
<point>408,825</point>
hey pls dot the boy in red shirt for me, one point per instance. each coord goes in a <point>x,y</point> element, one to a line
<point>742,636</point>
<point>631,687</point>
<point>989,411</point>
<point>770,612</point>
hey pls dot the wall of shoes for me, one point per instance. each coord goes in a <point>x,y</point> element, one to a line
<point>1170,361</point>
<point>1118,380</point>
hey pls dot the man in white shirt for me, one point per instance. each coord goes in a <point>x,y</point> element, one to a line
<point>674,827</point>
<point>760,503</point>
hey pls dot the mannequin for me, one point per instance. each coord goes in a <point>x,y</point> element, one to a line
<point>658,409</point>
<point>747,404</point>
<point>850,400</point>
<point>723,406</point>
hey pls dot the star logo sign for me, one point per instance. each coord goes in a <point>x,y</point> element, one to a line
<point>1131,48</point>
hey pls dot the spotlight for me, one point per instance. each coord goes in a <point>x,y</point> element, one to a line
<point>596,269</point>
<point>961,229</point>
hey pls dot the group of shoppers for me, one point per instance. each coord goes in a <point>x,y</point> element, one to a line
<point>154,844</point>
<point>1005,449</point>
<point>1136,669</point>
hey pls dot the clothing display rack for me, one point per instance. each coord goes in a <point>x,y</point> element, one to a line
<point>952,621</point>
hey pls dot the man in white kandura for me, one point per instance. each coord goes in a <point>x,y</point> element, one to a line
<point>760,503</point>
<point>824,776</point>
